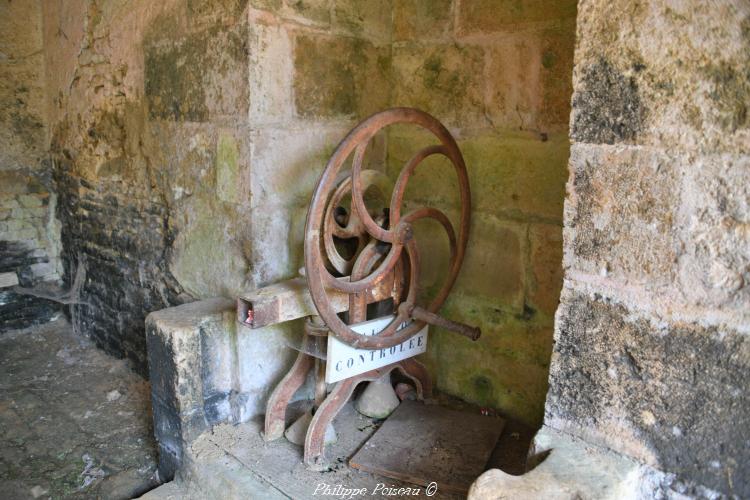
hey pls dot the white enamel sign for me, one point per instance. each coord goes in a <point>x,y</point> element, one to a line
<point>344,361</point>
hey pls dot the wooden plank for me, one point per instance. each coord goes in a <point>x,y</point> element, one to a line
<point>422,444</point>
<point>291,299</point>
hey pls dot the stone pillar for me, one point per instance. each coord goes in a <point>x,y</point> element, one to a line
<point>652,337</point>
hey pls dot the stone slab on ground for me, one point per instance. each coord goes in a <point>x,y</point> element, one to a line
<point>74,422</point>
<point>572,469</point>
<point>233,461</point>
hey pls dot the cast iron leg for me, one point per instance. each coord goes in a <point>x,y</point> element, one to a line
<point>418,373</point>
<point>282,394</point>
<point>326,412</point>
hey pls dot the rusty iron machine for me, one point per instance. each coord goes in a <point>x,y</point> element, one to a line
<point>378,263</point>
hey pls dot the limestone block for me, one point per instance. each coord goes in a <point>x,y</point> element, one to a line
<point>572,469</point>
<point>546,272</point>
<point>506,368</point>
<point>317,12</point>
<point>620,213</point>
<point>265,358</point>
<point>338,76</point>
<point>227,168</point>
<point>8,280</point>
<point>663,74</point>
<point>671,395</point>
<point>529,79</point>
<point>443,79</point>
<point>277,243</point>
<point>271,70</point>
<point>370,19</point>
<point>178,88</point>
<point>208,256</point>
<point>487,16</point>
<point>421,19</point>
<point>493,266</point>
<point>513,175</point>
<point>213,11</point>
<point>206,370</point>
<point>714,227</point>
<point>287,161</point>
<point>175,340</point>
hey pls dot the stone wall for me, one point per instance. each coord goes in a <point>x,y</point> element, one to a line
<point>184,148</point>
<point>498,74</point>
<point>187,137</point>
<point>652,354</point>
<point>29,236</point>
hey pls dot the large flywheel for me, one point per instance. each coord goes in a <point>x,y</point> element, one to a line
<point>381,243</point>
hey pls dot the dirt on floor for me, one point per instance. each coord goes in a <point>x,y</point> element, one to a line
<point>74,422</point>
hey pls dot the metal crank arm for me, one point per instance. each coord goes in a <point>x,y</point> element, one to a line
<point>422,314</point>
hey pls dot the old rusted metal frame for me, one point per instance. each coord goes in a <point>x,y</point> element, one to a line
<point>364,285</point>
<point>275,420</point>
<point>399,234</point>
<point>291,299</point>
<point>314,453</point>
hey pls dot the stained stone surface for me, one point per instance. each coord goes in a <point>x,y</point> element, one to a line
<point>74,422</point>
<point>651,350</point>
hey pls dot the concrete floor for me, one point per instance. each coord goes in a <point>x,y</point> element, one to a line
<point>74,422</point>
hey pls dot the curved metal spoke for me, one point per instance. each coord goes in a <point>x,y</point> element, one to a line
<point>398,191</point>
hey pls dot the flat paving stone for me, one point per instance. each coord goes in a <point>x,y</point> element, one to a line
<point>74,421</point>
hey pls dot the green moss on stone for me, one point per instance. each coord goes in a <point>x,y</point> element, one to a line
<point>227,169</point>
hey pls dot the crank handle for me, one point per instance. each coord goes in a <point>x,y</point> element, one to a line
<point>422,314</point>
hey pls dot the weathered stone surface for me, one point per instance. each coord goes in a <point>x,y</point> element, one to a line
<point>174,337</point>
<point>421,19</point>
<point>620,218</point>
<point>442,79</point>
<point>317,11</point>
<point>264,357</point>
<point>545,254</point>
<point>687,66</point>
<point>76,422</point>
<point>22,133</point>
<point>529,80</point>
<point>482,16</point>
<point>338,76</point>
<point>8,279</point>
<point>607,106</point>
<point>493,267</point>
<point>506,368</point>
<point>271,69</point>
<point>714,229</point>
<point>691,382</point>
<point>206,370</point>
<point>368,18</point>
<point>177,86</point>
<point>208,257</point>
<point>210,11</point>
<point>572,469</point>
<point>513,175</point>
<point>683,240</point>
<point>517,175</point>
